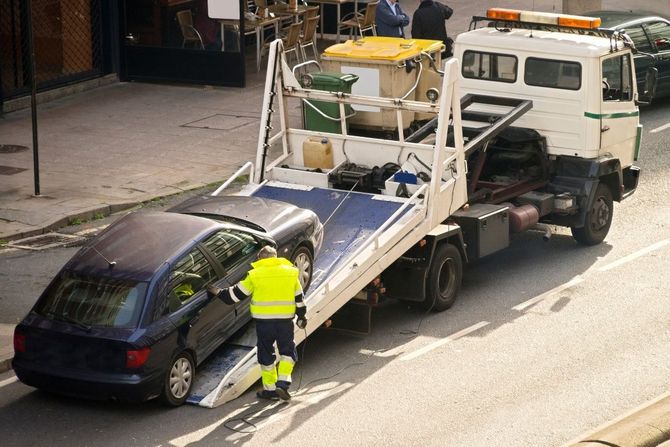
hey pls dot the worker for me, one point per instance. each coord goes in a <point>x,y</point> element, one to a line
<point>390,19</point>
<point>428,23</point>
<point>276,298</point>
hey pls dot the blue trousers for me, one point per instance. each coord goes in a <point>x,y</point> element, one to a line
<point>270,331</point>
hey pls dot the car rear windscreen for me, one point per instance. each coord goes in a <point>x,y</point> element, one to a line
<point>93,301</point>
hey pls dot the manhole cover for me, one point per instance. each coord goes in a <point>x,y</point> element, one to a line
<point>45,241</point>
<point>11,148</point>
<point>10,170</point>
<point>221,121</point>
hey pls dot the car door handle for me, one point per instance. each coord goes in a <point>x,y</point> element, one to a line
<point>195,319</point>
<point>605,128</point>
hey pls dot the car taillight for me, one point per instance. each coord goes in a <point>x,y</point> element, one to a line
<point>137,358</point>
<point>19,342</point>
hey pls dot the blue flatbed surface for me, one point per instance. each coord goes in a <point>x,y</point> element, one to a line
<point>359,216</point>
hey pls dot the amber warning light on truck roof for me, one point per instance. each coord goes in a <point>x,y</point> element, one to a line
<point>568,21</point>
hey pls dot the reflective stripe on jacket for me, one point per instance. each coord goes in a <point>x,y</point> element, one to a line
<point>273,285</point>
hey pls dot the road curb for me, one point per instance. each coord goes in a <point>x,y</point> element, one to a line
<point>645,426</point>
<point>5,365</point>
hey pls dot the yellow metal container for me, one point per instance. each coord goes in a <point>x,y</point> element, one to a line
<point>380,63</point>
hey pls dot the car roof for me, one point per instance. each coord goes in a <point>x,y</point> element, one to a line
<point>139,244</point>
<point>615,19</point>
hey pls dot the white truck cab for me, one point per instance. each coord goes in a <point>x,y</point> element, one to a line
<point>582,82</point>
<point>581,135</point>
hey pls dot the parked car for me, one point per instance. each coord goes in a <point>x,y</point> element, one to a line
<point>129,317</point>
<point>651,36</point>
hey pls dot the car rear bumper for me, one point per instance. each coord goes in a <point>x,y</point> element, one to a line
<point>91,385</point>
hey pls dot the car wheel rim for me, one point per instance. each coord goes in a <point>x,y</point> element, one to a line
<point>180,378</point>
<point>304,266</point>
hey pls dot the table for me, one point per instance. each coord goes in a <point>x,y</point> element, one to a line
<point>339,12</point>
<point>252,27</point>
<point>282,9</point>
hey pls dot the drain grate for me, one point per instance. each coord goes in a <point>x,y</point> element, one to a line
<point>12,148</point>
<point>10,170</point>
<point>46,241</point>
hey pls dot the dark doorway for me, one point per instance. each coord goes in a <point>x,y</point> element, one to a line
<point>175,40</point>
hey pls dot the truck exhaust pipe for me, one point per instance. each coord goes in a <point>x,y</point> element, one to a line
<point>544,228</point>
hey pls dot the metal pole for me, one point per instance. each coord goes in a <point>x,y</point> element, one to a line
<point>33,95</point>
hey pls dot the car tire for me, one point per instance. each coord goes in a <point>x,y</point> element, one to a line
<point>303,259</point>
<point>178,380</point>
<point>598,218</point>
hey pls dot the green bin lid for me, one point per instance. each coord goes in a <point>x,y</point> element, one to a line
<point>333,80</point>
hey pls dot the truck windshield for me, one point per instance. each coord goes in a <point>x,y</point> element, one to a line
<point>93,301</point>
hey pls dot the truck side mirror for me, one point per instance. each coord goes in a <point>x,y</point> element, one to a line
<point>650,81</point>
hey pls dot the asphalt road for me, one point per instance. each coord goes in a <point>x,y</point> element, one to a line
<point>547,340</point>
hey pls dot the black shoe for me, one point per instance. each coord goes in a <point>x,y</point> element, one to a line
<point>282,393</point>
<point>268,395</point>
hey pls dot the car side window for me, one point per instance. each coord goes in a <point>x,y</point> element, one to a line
<point>639,38</point>
<point>617,79</point>
<point>191,274</point>
<point>659,32</point>
<point>232,247</point>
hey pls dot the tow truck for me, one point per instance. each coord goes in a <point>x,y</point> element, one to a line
<point>535,122</point>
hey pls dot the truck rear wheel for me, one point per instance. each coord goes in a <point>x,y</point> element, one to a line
<point>598,218</point>
<point>444,278</point>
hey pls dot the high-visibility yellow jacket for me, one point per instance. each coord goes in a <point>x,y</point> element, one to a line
<point>274,288</point>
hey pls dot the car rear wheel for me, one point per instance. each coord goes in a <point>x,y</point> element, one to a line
<point>179,380</point>
<point>304,261</point>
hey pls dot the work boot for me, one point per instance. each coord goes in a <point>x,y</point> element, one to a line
<point>282,393</point>
<point>267,394</point>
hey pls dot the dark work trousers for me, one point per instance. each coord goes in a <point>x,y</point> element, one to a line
<point>269,331</point>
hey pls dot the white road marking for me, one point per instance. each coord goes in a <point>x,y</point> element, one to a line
<point>576,280</point>
<point>444,341</point>
<point>635,255</point>
<point>8,381</point>
<point>659,129</point>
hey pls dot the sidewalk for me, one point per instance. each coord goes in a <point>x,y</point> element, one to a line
<point>111,148</point>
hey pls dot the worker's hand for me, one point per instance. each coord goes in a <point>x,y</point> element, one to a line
<point>301,323</point>
<point>213,290</point>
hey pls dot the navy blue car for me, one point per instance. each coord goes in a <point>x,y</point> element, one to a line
<point>129,317</point>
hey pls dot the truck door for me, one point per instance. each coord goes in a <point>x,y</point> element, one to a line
<point>619,116</point>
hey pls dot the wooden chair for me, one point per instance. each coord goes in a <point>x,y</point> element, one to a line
<point>291,41</point>
<point>308,37</point>
<point>190,35</point>
<point>364,22</point>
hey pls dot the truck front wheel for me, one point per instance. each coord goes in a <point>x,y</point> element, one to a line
<point>598,218</point>
<point>444,278</point>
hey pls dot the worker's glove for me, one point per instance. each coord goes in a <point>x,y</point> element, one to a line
<point>213,290</point>
<point>301,323</point>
